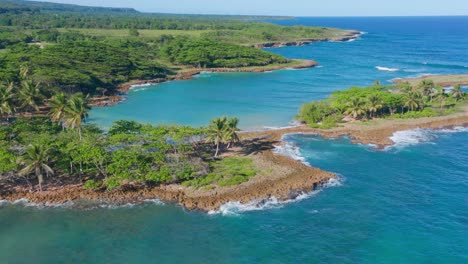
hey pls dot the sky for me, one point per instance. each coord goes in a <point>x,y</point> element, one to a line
<point>290,7</point>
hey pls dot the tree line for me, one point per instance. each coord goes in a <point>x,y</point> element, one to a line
<point>377,101</point>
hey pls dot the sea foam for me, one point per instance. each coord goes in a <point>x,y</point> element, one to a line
<point>236,208</point>
<point>419,136</point>
<point>291,150</point>
<point>380,68</point>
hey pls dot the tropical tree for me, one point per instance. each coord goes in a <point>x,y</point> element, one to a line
<point>413,101</point>
<point>231,131</point>
<point>356,108</point>
<point>440,95</point>
<point>76,112</point>
<point>58,105</point>
<point>30,95</point>
<point>36,160</point>
<point>427,86</point>
<point>374,104</point>
<point>216,132</point>
<point>7,106</point>
<point>457,92</point>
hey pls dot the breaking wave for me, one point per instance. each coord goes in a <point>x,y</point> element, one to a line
<point>237,208</point>
<point>420,135</point>
<point>79,205</point>
<point>380,68</point>
<point>291,150</point>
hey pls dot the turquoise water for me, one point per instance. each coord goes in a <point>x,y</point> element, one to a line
<point>407,204</point>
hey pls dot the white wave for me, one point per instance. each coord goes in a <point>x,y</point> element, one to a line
<point>236,208</point>
<point>154,201</point>
<point>420,135</point>
<point>291,150</point>
<point>26,203</point>
<point>411,137</point>
<point>351,40</point>
<point>114,206</point>
<point>319,66</point>
<point>136,86</point>
<point>380,68</point>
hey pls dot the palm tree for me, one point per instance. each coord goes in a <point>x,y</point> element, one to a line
<point>36,161</point>
<point>413,101</point>
<point>25,71</point>
<point>58,105</point>
<point>216,132</point>
<point>6,101</point>
<point>426,87</point>
<point>440,95</point>
<point>76,112</point>
<point>374,104</point>
<point>231,131</point>
<point>356,108</point>
<point>30,95</point>
<point>457,92</point>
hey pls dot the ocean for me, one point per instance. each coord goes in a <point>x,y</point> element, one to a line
<point>405,204</point>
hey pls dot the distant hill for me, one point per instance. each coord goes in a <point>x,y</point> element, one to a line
<point>22,5</point>
<point>19,6</point>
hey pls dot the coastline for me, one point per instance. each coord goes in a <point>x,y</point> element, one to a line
<point>282,177</point>
<point>346,36</point>
<point>444,80</point>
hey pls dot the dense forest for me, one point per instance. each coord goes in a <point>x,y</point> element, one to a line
<point>378,101</point>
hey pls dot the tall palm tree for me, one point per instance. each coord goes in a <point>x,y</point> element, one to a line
<point>457,92</point>
<point>216,132</point>
<point>36,160</point>
<point>413,101</point>
<point>231,131</point>
<point>374,104</point>
<point>356,108</point>
<point>30,95</point>
<point>58,105</point>
<point>440,95</point>
<point>426,87</point>
<point>7,106</point>
<point>76,112</point>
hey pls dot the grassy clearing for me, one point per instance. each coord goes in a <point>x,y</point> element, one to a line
<point>226,172</point>
<point>120,33</point>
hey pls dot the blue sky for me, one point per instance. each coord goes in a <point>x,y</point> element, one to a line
<point>290,7</point>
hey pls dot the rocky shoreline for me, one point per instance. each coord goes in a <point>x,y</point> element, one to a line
<point>444,80</point>
<point>349,35</point>
<point>282,178</point>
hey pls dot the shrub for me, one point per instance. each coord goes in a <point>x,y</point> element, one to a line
<point>92,184</point>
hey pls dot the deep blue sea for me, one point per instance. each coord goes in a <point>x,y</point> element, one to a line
<point>406,204</point>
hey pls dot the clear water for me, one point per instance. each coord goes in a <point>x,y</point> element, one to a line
<point>408,204</point>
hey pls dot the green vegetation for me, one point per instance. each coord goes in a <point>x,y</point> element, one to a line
<point>92,50</point>
<point>61,145</point>
<point>226,172</point>
<point>394,101</point>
